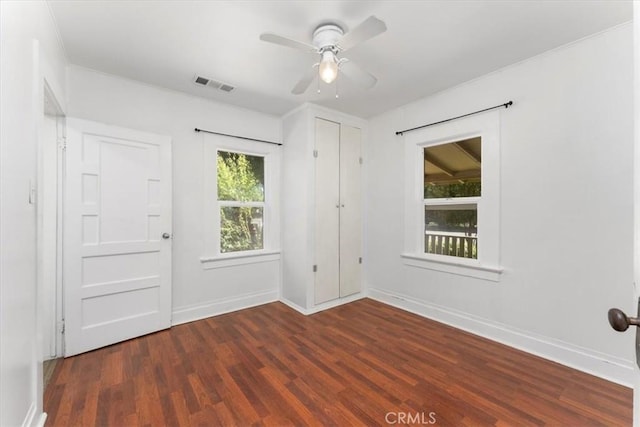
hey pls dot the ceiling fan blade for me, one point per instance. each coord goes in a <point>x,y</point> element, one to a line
<point>357,74</point>
<point>369,28</point>
<point>305,81</point>
<point>283,41</point>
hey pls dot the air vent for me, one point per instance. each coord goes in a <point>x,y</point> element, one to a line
<point>201,80</point>
<point>204,81</point>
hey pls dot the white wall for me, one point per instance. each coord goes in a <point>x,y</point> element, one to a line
<point>566,207</point>
<point>108,99</point>
<point>31,52</point>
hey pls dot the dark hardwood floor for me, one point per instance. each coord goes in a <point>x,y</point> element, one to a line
<point>364,363</point>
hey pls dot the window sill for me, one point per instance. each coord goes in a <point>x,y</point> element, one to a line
<point>235,259</point>
<point>460,268</point>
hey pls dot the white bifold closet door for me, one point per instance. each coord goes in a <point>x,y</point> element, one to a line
<point>327,212</point>
<point>350,211</point>
<point>338,216</point>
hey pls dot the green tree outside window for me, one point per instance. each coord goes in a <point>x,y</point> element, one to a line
<point>241,183</point>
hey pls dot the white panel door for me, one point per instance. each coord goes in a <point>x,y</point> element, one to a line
<point>350,211</point>
<point>327,221</point>
<point>117,265</point>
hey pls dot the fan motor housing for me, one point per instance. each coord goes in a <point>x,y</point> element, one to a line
<point>327,35</point>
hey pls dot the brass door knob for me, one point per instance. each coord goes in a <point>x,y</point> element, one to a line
<point>620,321</point>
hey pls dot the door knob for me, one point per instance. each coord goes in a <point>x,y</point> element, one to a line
<point>620,321</point>
<point>166,235</point>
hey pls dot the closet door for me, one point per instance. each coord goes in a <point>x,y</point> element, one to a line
<point>350,211</point>
<point>327,212</point>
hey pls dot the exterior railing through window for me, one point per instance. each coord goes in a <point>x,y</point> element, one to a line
<point>446,244</point>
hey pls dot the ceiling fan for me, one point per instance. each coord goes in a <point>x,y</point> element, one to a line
<point>329,40</point>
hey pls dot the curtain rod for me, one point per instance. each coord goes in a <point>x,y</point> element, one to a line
<point>237,136</point>
<point>505,105</point>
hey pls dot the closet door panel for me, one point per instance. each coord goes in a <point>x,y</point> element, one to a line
<point>327,221</point>
<point>350,211</point>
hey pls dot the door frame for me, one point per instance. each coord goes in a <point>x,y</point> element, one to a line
<point>636,198</point>
<point>50,301</point>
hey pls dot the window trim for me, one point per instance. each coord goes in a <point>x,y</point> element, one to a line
<point>231,259</point>
<point>213,257</point>
<point>487,266</point>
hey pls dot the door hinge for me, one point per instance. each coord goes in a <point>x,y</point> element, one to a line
<point>360,160</point>
<point>315,268</point>
<point>62,143</point>
<point>33,195</point>
<point>62,326</point>
<point>315,153</point>
<point>360,260</point>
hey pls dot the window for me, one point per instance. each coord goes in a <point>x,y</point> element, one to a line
<point>452,206</point>
<point>241,200</point>
<point>452,189</point>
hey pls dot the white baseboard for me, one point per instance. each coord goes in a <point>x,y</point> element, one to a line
<point>295,306</point>
<point>324,306</point>
<point>42,419</point>
<point>31,418</point>
<point>604,366</point>
<point>214,308</point>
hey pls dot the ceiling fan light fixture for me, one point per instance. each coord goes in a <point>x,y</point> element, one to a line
<point>328,68</point>
<point>329,40</point>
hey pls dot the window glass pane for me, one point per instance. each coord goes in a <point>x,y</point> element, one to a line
<point>453,169</point>
<point>451,230</point>
<point>240,229</point>
<point>240,177</point>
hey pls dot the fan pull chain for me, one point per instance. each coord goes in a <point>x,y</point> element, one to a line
<point>337,95</point>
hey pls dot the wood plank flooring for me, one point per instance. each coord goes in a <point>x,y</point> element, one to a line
<point>364,363</point>
<point>48,367</point>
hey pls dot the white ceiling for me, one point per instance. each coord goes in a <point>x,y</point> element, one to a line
<point>429,45</point>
